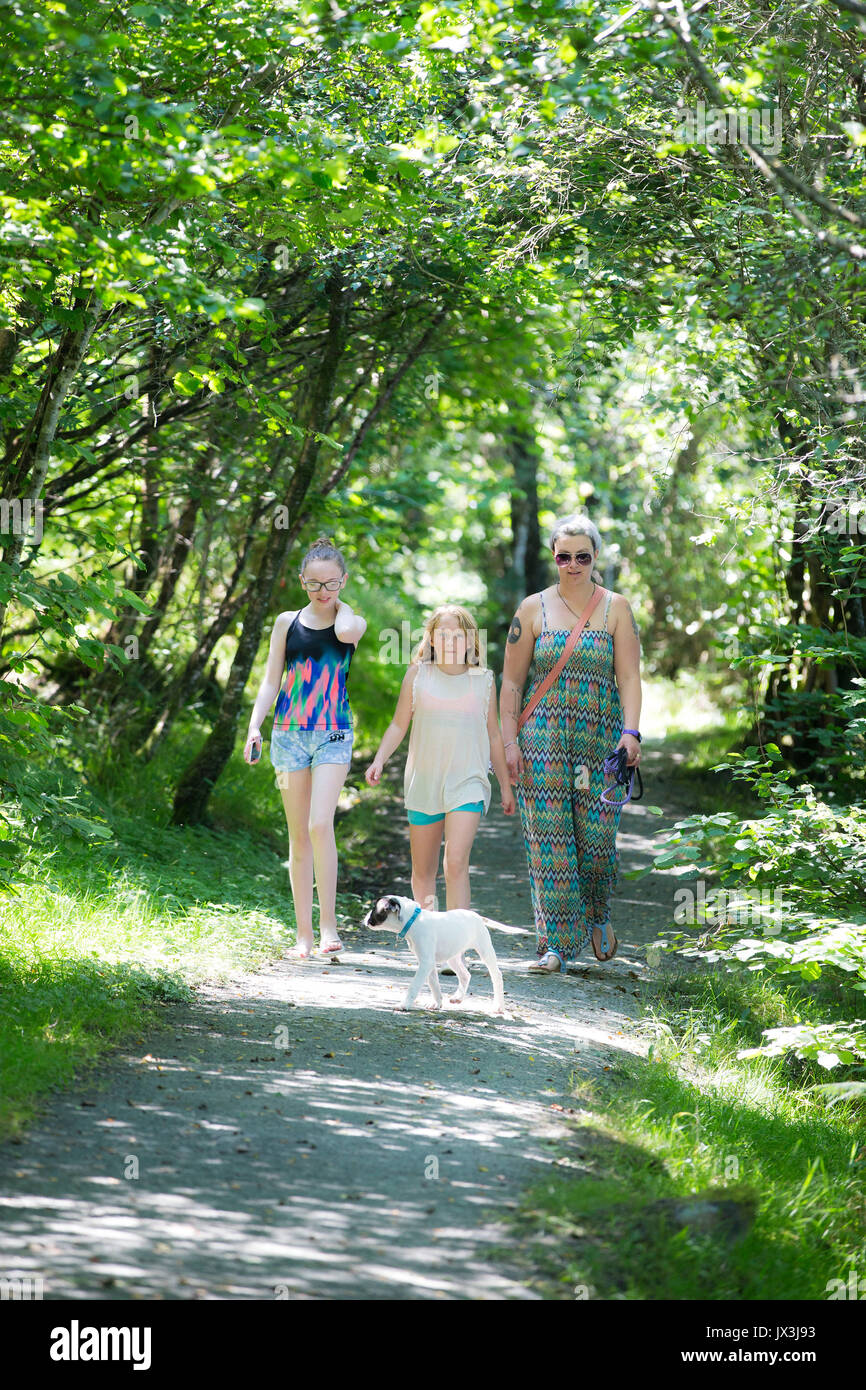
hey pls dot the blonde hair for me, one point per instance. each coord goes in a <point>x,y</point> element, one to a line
<point>575,525</point>
<point>425,650</point>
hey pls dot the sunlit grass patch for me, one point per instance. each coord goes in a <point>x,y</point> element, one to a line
<point>98,937</point>
<point>702,1176</point>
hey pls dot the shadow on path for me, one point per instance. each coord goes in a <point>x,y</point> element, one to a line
<point>294,1136</point>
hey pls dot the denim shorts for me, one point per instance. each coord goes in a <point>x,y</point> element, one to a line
<point>292,750</point>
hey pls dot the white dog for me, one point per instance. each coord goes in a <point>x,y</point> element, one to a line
<point>438,938</point>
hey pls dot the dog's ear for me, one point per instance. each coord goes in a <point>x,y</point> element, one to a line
<point>394,905</point>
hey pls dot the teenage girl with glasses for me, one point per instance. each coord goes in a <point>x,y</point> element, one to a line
<point>311,743</point>
<point>446,695</point>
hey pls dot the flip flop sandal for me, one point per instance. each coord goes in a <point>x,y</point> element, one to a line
<point>539,968</point>
<point>609,954</point>
<point>331,950</point>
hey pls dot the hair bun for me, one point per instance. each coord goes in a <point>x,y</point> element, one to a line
<point>323,540</point>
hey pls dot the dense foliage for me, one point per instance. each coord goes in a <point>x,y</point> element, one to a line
<point>427,275</point>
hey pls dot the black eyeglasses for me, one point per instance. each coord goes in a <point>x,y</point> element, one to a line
<point>332,585</point>
<point>585,557</point>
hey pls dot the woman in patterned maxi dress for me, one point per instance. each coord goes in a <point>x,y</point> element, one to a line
<point>556,759</point>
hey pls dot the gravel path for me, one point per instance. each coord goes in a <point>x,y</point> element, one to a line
<point>295,1137</point>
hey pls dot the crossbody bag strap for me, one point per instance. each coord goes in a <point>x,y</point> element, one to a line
<point>566,653</point>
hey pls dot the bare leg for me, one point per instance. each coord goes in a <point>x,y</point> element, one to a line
<point>295,791</point>
<point>328,779</point>
<point>460,830</point>
<point>425,841</point>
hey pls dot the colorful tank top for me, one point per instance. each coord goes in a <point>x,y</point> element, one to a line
<point>314,694</point>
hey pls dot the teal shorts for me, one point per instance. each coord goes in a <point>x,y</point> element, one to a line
<point>421,817</point>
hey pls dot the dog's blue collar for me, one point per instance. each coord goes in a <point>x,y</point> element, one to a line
<point>416,913</point>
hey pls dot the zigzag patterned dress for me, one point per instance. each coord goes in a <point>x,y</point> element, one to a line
<point>568,831</point>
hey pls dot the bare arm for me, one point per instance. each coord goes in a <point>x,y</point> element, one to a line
<point>626,664</point>
<point>497,755</point>
<point>349,626</point>
<point>272,679</point>
<point>518,658</point>
<point>519,649</point>
<point>396,730</point>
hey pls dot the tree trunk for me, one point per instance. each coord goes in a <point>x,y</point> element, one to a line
<point>25,477</point>
<point>528,573</point>
<point>183,687</point>
<point>183,539</point>
<point>156,723</point>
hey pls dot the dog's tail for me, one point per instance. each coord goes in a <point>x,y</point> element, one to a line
<point>503,927</point>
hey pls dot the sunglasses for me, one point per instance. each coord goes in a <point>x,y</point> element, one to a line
<point>585,557</point>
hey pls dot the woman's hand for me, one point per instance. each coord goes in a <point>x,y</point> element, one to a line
<point>514,762</point>
<point>632,747</point>
<point>374,773</point>
<point>254,736</point>
<point>509,805</point>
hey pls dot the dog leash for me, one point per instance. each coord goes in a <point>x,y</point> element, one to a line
<point>416,913</point>
<point>616,766</point>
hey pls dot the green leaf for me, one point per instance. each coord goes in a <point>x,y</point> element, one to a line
<point>135,602</point>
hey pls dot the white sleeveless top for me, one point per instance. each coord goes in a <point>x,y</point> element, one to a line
<point>449,747</point>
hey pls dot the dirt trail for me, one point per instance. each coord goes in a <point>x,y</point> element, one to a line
<point>357,1153</point>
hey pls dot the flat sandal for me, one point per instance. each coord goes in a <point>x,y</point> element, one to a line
<point>539,968</point>
<point>603,942</point>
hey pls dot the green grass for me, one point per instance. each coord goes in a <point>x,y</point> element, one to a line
<point>98,938</point>
<point>782,1166</point>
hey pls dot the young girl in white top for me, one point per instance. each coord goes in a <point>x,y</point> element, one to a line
<point>446,693</point>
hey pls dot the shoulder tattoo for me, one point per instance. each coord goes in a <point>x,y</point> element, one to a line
<point>514,632</point>
<point>633,624</point>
